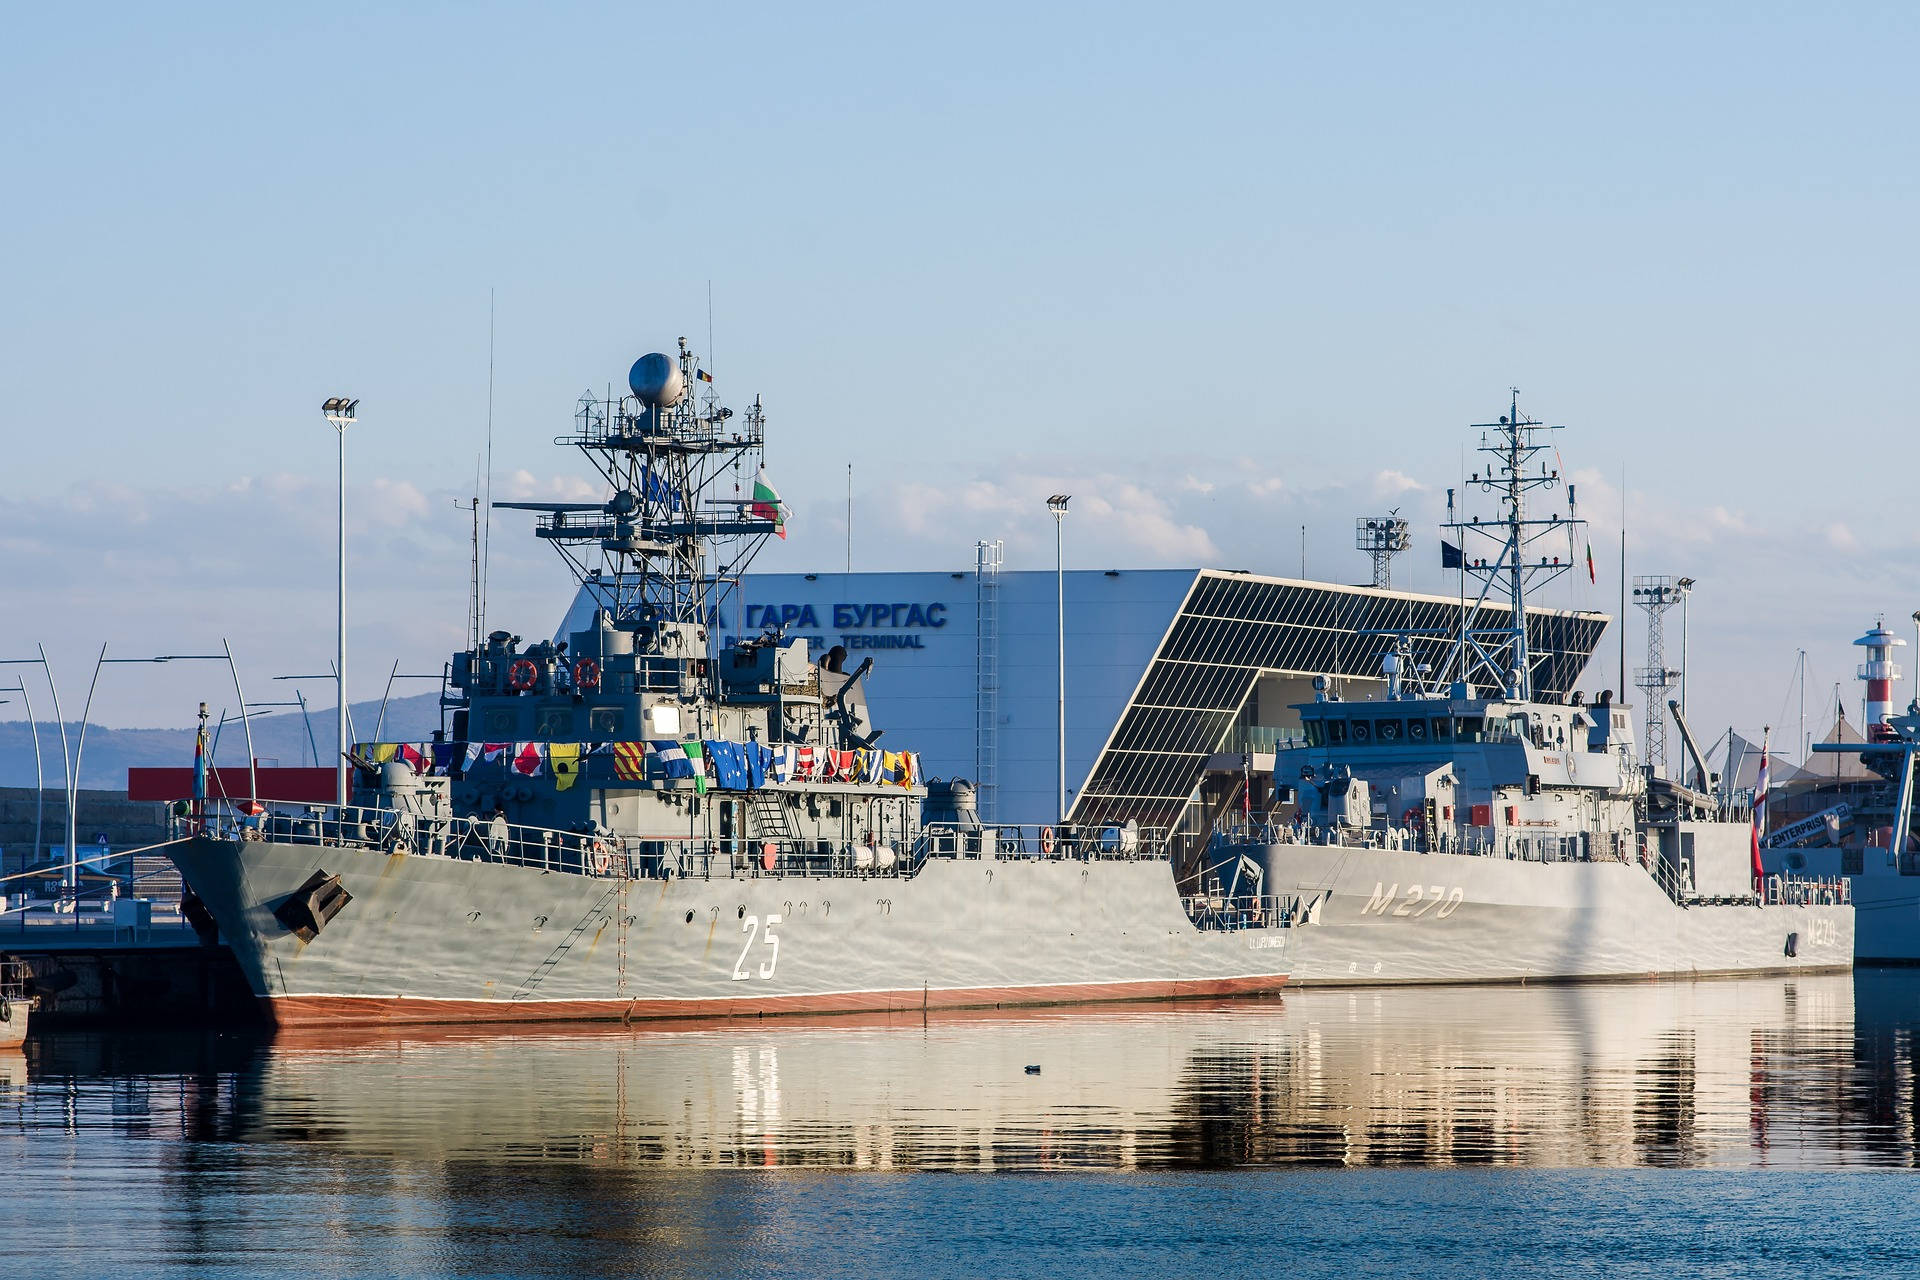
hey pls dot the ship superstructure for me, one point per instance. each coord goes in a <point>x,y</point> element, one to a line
<point>1466,828</point>
<point>640,819</point>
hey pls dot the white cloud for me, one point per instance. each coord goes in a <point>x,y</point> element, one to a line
<point>1194,484</point>
<point>397,502</point>
<point>1391,484</point>
<point>1841,538</point>
<point>523,486</point>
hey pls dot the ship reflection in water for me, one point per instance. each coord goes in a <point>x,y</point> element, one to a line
<point>1788,1071</point>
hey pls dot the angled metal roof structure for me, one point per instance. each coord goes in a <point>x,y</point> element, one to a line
<point>1232,628</point>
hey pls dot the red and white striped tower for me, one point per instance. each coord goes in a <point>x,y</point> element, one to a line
<point>1879,672</point>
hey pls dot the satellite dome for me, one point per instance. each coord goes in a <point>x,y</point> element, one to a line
<point>656,381</point>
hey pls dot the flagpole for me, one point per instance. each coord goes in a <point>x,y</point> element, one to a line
<point>1760,809</point>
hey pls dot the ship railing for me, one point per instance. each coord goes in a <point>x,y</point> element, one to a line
<point>1807,891</point>
<point>588,853</point>
<point>1066,842</point>
<point>1218,913</point>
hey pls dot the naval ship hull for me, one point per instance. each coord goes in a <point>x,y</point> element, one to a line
<point>1379,916</point>
<point>437,939</point>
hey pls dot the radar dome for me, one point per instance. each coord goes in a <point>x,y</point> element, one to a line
<point>656,381</point>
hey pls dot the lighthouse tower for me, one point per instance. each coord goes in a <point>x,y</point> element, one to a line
<point>1879,672</point>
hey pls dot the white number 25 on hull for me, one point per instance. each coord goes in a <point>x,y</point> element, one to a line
<point>751,927</point>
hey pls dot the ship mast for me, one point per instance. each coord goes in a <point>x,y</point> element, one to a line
<point>663,450</point>
<point>1502,654</point>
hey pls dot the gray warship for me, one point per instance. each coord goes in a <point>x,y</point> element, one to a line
<point>635,821</point>
<point>1465,829</point>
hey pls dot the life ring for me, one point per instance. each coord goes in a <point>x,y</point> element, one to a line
<point>522,674</point>
<point>586,674</point>
<point>769,856</point>
<point>602,857</point>
<point>1046,839</point>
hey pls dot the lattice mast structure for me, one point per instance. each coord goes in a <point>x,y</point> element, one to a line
<point>1382,538</point>
<point>1656,593</point>
<point>1516,559</point>
<point>664,550</point>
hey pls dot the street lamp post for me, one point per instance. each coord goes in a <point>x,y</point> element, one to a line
<point>80,747</point>
<point>340,412</point>
<point>1686,589</point>
<point>1916,657</point>
<point>1057,504</point>
<point>39,777</point>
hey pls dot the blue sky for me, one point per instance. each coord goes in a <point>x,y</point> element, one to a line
<point>1219,271</point>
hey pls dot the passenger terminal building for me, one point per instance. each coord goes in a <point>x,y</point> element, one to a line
<point>1166,669</point>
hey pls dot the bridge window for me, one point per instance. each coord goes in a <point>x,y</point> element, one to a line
<point>554,722</point>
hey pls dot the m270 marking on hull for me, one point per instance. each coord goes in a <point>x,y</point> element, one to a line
<point>1417,901</point>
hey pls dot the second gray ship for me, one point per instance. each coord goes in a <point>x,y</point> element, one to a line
<point>1468,829</point>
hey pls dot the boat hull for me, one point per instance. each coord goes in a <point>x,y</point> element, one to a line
<point>1389,916</point>
<point>435,939</point>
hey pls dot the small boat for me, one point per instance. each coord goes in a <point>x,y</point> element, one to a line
<point>16,1005</point>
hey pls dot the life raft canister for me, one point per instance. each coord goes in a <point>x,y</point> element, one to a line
<point>522,674</point>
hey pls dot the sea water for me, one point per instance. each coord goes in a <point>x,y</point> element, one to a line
<point>1732,1128</point>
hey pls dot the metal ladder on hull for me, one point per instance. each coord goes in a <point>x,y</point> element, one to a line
<point>594,912</point>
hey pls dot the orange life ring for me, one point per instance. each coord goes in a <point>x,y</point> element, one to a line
<point>586,674</point>
<point>1046,839</point>
<point>769,855</point>
<point>602,856</point>
<point>522,674</point>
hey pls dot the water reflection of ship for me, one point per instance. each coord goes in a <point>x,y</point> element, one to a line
<point>1737,1072</point>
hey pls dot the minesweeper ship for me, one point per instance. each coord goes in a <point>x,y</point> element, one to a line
<point>635,822</point>
<point>1464,829</point>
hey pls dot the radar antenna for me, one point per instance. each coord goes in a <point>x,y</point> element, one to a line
<point>666,546</point>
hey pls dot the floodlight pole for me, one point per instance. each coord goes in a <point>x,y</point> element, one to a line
<point>1057,504</point>
<point>340,412</point>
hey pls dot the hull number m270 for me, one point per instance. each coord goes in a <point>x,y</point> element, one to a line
<point>743,968</point>
<point>1417,901</point>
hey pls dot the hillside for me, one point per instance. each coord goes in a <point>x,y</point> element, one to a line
<point>277,739</point>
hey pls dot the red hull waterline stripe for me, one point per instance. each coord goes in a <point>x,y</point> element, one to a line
<point>309,1011</point>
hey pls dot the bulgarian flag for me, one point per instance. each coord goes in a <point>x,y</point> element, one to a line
<point>767,504</point>
<point>1590,574</point>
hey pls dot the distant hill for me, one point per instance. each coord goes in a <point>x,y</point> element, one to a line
<point>280,739</point>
